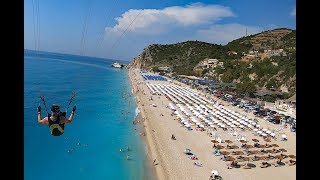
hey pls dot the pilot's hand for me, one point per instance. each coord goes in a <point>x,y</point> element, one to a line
<point>39,108</point>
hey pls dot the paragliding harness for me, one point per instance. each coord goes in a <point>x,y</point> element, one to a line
<point>56,128</point>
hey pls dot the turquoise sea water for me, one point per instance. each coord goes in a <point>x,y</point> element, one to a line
<point>106,107</point>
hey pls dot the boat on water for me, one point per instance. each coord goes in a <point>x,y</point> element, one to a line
<point>117,65</point>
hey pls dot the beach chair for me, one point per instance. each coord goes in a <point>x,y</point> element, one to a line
<point>284,137</point>
<point>239,137</point>
<point>235,133</point>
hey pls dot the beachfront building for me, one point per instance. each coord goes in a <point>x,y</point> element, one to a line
<point>209,63</point>
<point>288,105</point>
<point>164,68</point>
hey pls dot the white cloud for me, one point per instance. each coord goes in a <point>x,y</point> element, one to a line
<point>293,12</point>
<point>154,21</point>
<point>222,34</point>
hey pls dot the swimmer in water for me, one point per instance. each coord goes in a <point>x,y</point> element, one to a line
<point>120,150</point>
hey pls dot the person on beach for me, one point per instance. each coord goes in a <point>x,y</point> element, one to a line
<point>56,120</point>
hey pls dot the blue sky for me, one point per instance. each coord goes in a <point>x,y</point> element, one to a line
<point>121,29</point>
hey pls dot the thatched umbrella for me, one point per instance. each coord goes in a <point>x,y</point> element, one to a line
<point>255,152</point>
<point>255,140</point>
<point>273,151</point>
<point>220,147</point>
<point>243,141</point>
<point>269,157</point>
<point>292,156</point>
<point>267,139</point>
<point>279,157</point>
<point>283,150</point>
<point>263,157</point>
<point>235,147</point>
<point>275,145</point>
<point>238,152</point>
<point>246,158</point>
<point>228,141</point>
<point>249,146</point>
<point>256,158</point>
<point>269,150</point>
<point>214,141</point>
<point>262,146</point>
<point>224,152</point>
<point>230,158</point>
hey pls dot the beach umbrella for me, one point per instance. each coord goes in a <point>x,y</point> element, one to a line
<point>215,172</point>
<point>249,146</point>
<point>246,158</point>
<point>259,132</point>
<point>214,141</point>
<point>243,141</point>
<point>274,151</point>
<point>272,134</point>
<point>283,150</point>
<point>255,130</point>
<point>255,140</point>
<point>262,146</point>
<point>292,156</point>
<point>264,134</point>
<point>228,141</point>
<point>275,145</point>
<point>230,158</point>
<point>255,152</point>
<point>269,150</point>
<point>264,129</point>
<point>225,152</point>
<point>235,147</point>
<point>211,125</point>
<point>284,136</point>
<point>279,156</point>
<point>268,132</point>
<point>238,152</point>
<point>187,150</point>
<point>220,147</point>
<point>267,139</point>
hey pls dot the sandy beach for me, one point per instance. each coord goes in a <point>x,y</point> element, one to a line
<point>170,162</point>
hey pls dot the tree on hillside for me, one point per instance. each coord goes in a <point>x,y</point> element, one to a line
<point>246,86</point>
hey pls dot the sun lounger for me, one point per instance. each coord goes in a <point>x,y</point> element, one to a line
<point>198,164</point>
<point>291,163</point>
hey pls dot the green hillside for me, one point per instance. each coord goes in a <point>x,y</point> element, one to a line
<point>263,60</point>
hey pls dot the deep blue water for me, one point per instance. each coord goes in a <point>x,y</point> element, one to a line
<point>89,147</point>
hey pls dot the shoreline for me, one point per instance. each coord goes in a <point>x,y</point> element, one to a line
<point>147,137</point>
<point>172,163</point>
